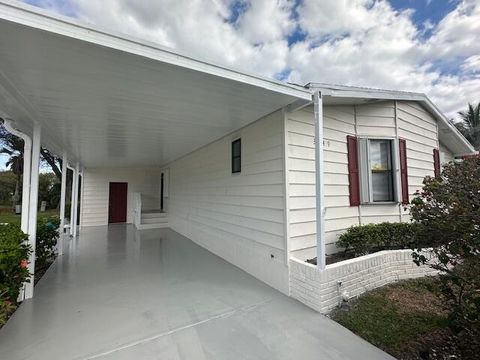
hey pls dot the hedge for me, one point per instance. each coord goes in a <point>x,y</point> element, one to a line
<point>14,253</point>
<point>365,239</point>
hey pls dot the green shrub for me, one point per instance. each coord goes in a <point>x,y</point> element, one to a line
<point>448,213</point>
<point>47,236</point>
<point>14,252</point>
<point>6,309</point>
<point>365,239</point>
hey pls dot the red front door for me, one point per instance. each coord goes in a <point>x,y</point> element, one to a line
<point>117,207</point>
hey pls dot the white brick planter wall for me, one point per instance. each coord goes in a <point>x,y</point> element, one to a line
<point>320,290</point>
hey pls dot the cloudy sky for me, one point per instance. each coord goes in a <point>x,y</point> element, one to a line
<point>430,46</point>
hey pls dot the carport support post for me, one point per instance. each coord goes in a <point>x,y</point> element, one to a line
<point>75,211</point>
<point>32,214</point>
<point>73,201</point>
<point>319,179</point>
<point>63,192</point>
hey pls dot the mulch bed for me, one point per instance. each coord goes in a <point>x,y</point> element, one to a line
<point>333,258</point>
<point>40,272</point>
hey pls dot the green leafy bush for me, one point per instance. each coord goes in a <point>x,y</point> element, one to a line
<point>14,252</point>
<point>7,307</point>
<point>447,211</point>
<point>47,236</point>
<point>365,239</point>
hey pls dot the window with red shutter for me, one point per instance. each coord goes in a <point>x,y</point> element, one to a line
<point>436,162</point>
<point>403,170</point>
<point>353,181</point>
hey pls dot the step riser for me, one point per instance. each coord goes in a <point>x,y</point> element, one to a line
<point>152,226</point>
<point>153,215</point>
<point>154,221</point>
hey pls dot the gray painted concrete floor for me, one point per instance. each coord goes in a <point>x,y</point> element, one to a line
<point>122,294</point>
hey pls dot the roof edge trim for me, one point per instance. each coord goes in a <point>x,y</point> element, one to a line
<point>37,18</point>
<point>369,93</point>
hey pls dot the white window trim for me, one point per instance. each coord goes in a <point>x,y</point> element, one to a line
<point>366,193</point>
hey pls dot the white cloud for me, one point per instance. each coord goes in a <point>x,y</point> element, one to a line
<point>353,42</point>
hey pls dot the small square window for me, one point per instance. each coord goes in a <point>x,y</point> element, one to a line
<point>237,156</point>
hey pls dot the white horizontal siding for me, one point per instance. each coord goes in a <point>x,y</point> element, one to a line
<point>94,205</point>
<point>419,129</point>
<point>239,217</point>
<point>411,122</point>
<point>339,121</point>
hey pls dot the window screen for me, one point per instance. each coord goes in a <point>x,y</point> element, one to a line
<point>237,156</point>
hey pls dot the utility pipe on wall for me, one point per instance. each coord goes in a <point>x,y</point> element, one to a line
<point>27,155</point>
<point>319,179</point>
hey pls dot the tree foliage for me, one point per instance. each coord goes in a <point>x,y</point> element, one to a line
<point>447,212</point>
<point>13,147</point>
<point>469,125</point>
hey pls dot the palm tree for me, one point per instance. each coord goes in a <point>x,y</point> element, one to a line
<point>13,147</point>
<point>469,125</point>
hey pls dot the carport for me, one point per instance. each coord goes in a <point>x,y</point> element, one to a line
<point>103,100</point>
<point>118,293</point>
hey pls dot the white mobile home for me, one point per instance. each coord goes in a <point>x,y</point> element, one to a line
<point>255,205</point>
<point>254,170</point>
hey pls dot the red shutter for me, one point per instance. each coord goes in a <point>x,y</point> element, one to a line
<point>354,185</point>
<point>436,162</point>
<point>403,170</point>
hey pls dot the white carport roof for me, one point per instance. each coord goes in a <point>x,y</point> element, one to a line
<point>111,100</point>
<point>340,94</point>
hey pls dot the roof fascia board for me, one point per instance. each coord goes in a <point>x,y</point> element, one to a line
<point>33,17</point>
<point>444,120</point>
<point>353,92</point>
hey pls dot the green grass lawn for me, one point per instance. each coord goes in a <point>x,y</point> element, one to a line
<point>10,217</point>
<point>406,319</point>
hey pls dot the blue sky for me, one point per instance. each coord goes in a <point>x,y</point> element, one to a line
<point>428,46</point>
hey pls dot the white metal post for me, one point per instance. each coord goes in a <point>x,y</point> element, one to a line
<point>73,201</point>
<point>27,163</point>
<point>63,192</point>
<point>32,215</point>
<point>80,199</point>
<point>75,212</point>
<point>319,179</point>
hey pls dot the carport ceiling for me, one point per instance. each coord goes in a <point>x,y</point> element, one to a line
<point>109,100</point>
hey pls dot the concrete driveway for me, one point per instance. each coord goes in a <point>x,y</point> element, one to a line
<point>122,294</point>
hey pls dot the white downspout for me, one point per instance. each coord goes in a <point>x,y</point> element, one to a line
<point>27,161</point>
<point>63,193</point>
<point>319,179</point>
<point>32,215</point>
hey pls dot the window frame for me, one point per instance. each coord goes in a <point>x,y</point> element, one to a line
<point>365,170</point>
<point>234,157</point>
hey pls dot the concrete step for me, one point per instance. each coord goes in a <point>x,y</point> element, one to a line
<point>152,226</point>
<point>153,214</point>
<point>154,220</point>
